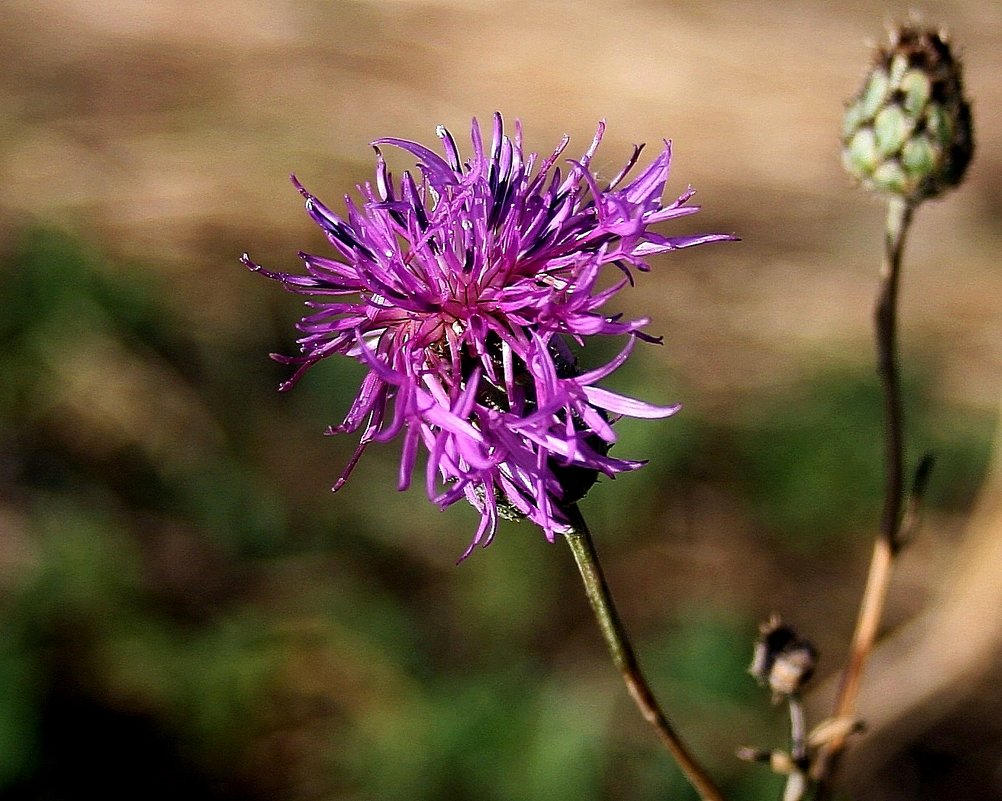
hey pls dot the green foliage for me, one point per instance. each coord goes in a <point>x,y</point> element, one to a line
<point>174,557</point>
<point>19,700</point>
<point>810,462</point>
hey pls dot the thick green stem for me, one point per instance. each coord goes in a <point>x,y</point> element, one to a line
<point>609,623</point>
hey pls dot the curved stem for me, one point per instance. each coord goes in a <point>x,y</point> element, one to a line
<point>889,540</point>
<point>625,659</point>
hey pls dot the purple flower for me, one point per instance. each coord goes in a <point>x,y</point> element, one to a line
<point>462,291</point>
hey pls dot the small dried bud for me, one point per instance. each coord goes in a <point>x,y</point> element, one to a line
<point>750,753</point>
<point>781,660</point>
<point>908,132</point>
<point>778,761</point>
<point>833,730</point>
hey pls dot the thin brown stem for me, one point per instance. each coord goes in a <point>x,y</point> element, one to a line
<point>889,541</point>
<point>625,659</point>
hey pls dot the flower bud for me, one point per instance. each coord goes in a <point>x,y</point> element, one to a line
<point>908,132</point>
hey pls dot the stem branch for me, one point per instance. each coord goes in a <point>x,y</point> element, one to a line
<point>616,639</point>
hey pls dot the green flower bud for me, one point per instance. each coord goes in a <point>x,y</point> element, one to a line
<point>908,132</point>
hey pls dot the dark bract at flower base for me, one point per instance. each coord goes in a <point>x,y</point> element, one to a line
<point>461,291</point>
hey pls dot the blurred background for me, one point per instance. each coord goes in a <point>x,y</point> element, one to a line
<point>187,611</point>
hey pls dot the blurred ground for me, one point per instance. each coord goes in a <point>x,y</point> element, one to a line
<point>188,610</point>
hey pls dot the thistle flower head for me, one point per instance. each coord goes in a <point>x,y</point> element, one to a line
<point>908,132</point>
<point>463,290</point>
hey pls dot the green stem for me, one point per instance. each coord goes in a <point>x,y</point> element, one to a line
<point>616,639</point>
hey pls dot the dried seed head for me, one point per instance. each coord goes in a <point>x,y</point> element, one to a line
<point>908,132</point>
<point>782,660</point>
